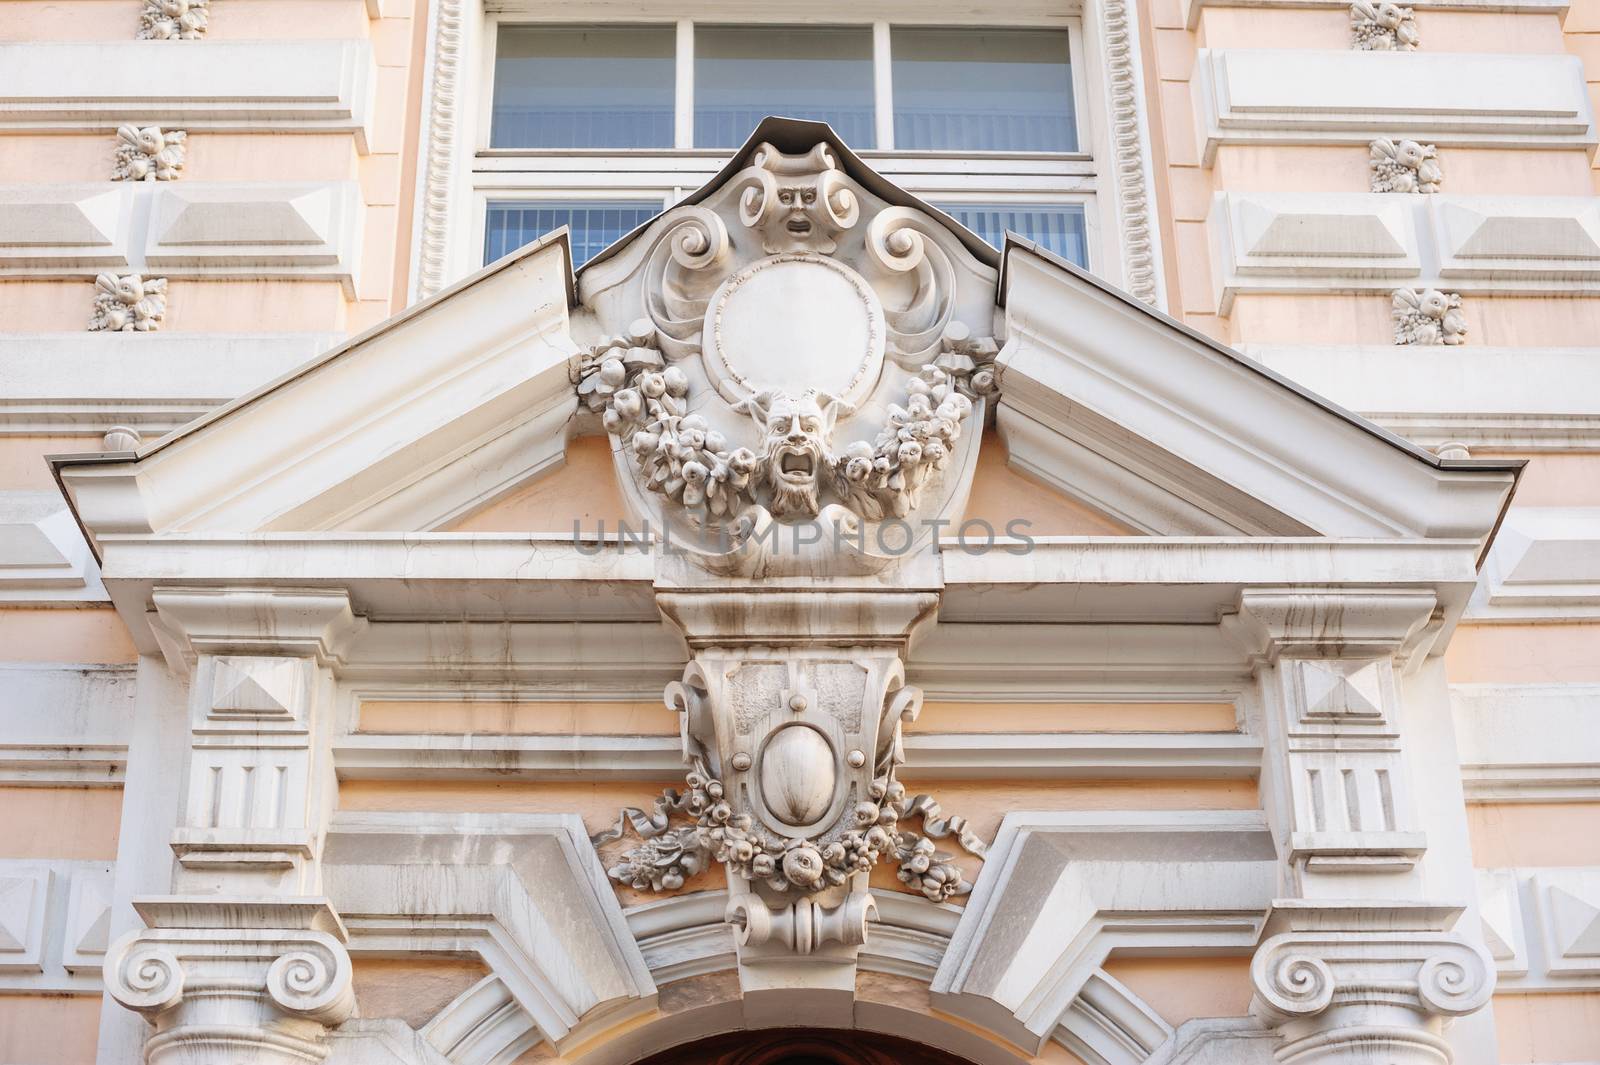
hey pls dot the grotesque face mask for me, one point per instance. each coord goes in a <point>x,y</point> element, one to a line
<point>797,203</point>
<point>795,450</point>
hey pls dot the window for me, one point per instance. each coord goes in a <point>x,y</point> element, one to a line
<point>1057,228</point>
<point>744,73</point>
<point>983,90</point>
<point>600,127</point>
<point>595,226</point>
<point>583,87</point>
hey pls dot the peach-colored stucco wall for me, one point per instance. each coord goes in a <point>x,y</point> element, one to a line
<point>1506,835</point>
<point>70,634</point>
<point>584,490</point>
<point>49,1029</point>
<point>1001,494</point>
<point>1524,654</point>
<point>77,823</point>
<point>412,989</point>
<point>1182,989</point>
<point>1550,1027</point>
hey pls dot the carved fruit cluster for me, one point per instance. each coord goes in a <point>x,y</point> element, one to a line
<point>1428,316</point>
<point>888,475</point>
<point>173,20</point>
<point>128,303</point>
<point>1382,27</point>
<point>645,403</point>
<point>669,855</point>
<point>1405,166</point>
<point>148,153</point>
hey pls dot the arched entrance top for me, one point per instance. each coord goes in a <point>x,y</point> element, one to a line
<point>804,1046</point>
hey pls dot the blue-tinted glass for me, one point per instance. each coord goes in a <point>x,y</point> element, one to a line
<point>595,226</point>
<point>583,87</point>
<point>744,73</point>
<point>983,90</point>
<point>1057,228</point>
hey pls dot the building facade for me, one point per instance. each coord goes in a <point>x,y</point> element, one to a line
<point>980,533</point>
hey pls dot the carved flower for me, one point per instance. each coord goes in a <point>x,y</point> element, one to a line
<point>676,380</point>
<point>934,451</point>
<point>910,453</point>
<point>762,865</point>
<point>742,461</point>
<point>653,385</point>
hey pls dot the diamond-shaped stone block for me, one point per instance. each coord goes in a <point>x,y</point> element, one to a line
<point>1338,689</point>
<point>258,687</point>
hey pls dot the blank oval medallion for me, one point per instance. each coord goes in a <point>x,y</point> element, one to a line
<point>797,775</point>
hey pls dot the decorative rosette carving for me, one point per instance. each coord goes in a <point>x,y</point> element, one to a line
<point>1428,316</point>
<point>128,303</point>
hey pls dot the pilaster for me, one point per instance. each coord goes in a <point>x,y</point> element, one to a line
<point>245,960</point>
<point>1357,964</point>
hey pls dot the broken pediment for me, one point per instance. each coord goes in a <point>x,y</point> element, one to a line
<point>797,341</point>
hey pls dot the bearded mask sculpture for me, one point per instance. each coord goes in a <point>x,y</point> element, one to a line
<point>796,452</point>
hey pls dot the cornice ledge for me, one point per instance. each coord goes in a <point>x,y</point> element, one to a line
<point>525,891</point>
<point>1107,880</point>
<point>314,623</point>
<point>1333,623</point>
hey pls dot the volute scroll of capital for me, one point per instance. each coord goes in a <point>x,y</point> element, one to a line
<point>792,348</point>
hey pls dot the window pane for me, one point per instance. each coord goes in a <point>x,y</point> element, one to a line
<point>583,87</point>
<point>983,90</point>
<point>1057,228</point>
<point>595,226</point>
<point>743,74</point>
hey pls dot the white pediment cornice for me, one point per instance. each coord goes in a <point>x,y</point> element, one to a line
<point>344,470</point>
<point>1182,436</point>
<point>372,432</point>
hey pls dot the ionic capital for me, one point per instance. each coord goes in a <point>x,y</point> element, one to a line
<point>252,980</point>
<point>1348,983</point>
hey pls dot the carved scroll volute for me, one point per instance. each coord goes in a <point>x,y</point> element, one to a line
<point>690,697</point>
<point>684,269</point>
<point>911,262</point>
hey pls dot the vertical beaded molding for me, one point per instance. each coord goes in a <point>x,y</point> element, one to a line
<point>1130,161</point>
<point>433,248</point>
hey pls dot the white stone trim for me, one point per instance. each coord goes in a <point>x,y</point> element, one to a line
<point>225,86</point>
<point>1369,242</point>
<point>1491,397</point>
<point>1528,742</point>
<point>1107,880</point>
<point>76,228</point>
<point>263,230</point>
<point>524,892</point>
<point>43,557</point>
<point>84,383</point>
<point>943,756</point>
<point>242,230</point>
<point>1193,8</point>
<point>1211,432</point>
<point>1270,96</point>
<point>1536,921</point>
<point>54,924</point>
<point>1544,566</point>
<point>64,725</point>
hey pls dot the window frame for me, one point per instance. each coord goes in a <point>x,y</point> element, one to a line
<point>1089,176</point>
